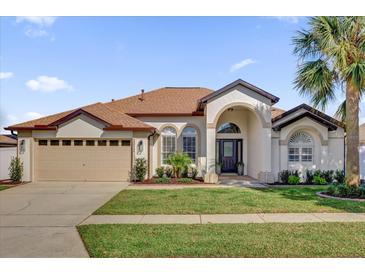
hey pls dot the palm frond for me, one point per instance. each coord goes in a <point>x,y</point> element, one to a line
<point>340,113</point>
<point>356,72</point>
<point>316,79</point>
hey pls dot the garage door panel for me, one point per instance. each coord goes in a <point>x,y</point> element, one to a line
<point>82,163</point>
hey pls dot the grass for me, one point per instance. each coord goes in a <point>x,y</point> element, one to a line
<point>226,200</point>
<point>225,240</point>
<point>3,187</point>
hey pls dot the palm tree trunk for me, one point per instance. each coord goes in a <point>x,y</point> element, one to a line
<point>352,134</point>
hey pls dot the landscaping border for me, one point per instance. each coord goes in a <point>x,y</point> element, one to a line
<point>323,195</point>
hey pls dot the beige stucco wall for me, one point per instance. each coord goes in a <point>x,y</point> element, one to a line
<point>328,150</point>
<point>179,123</point>
<point>79,127</point>
<point>256,120</point>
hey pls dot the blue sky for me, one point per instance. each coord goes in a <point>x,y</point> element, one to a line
<point>48,65</point>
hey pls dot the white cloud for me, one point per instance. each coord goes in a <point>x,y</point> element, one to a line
<point>37,25</point>
<point>34,33</point>
<point>242,64</point>
<point>31,115</point>
<point>288,19</point>
<point>6,75</point>
<point>48,84</point>
<point>41,21</point>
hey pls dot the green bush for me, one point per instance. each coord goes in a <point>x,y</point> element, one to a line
<point>294,180</point>
<point>309,176</point>
<point>362,191</point>
<point>345,191</point>
<point>194,172</point>
<point>16,169</point>
<point>339,176</point>
<point>284,175</point>
<point>328,175</point>
<point>332,189</point>
<point>318,180</point>
<point>185,180</point>
<point>160,171</point>
<point>169,172</point>
<point>342,190</point>
<point>162,180</point>
<point>140,169</point>
<point>185,172</point>
<point>179,162</point>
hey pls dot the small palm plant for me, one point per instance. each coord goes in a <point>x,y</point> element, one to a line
<point>332,55</point>
<point>179,161</point>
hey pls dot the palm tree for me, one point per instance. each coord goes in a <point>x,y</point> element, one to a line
<point>332,56</point>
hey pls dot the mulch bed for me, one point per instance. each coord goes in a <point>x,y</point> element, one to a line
<point>327,195</point>
<point>173,181</point>
<point>301,184</point>
<point>11,183</point>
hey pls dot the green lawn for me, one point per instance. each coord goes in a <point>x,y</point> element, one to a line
<point>225,200</point>
<point>225,240</point>
<point>3,187</point>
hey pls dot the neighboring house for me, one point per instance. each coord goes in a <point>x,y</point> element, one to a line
<point>362,151</point>
<point>8,147</point>
<point>237,123</point>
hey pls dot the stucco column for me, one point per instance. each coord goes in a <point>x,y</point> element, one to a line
<point>323,157</point>
<point>210,166</point>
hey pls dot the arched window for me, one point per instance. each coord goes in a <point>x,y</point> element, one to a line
<point>189,135</point>
<point>168,147</point>
<point>300,147</point>
<point>228,128</point>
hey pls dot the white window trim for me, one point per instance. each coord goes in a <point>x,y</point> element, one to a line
<point>301,146</point>
<point>195,135</point>
<point>162,142</point>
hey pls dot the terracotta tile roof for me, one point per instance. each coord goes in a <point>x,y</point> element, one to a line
<point>7,139</point>
<point>168,100</point>
<point>117,114</point>
<point>112,117</point>
<point>276,112</point>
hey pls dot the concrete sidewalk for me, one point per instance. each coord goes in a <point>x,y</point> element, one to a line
<point>226,218</point>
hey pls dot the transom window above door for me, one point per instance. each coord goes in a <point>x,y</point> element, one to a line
<point>228,128</point>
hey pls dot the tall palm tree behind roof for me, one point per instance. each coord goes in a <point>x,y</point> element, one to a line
<point>332,55</point>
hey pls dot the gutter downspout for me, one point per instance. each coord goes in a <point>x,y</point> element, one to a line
<point>149,152</point>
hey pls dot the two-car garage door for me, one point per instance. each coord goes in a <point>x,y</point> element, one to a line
<point>82,160</point>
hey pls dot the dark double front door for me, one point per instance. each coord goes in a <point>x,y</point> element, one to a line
<point>229,153</point>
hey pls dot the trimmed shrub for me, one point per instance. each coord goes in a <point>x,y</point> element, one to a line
<point>332,189</point>
<point>328,175</point>
<point>162,180</point>
<point>339,176</point>
<point>185,180</point>
<point>140,168</point>
<point>362,191</point>
<point>309,176</point>
<point>284,175</point>
<point>194,172</point>
<point>16,169</point>
<point>160,171</point>
<point>318,180</point>
<point>294,180</point>
<point>169,172</point>
<point>185,172</point>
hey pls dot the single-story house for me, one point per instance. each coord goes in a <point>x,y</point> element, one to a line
<point>236,123</point>
<point>8,147</point>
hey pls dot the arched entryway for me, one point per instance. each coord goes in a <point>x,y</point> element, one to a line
<point>241,137</point>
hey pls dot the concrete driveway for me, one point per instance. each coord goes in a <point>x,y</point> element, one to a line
<point>38,219</point>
